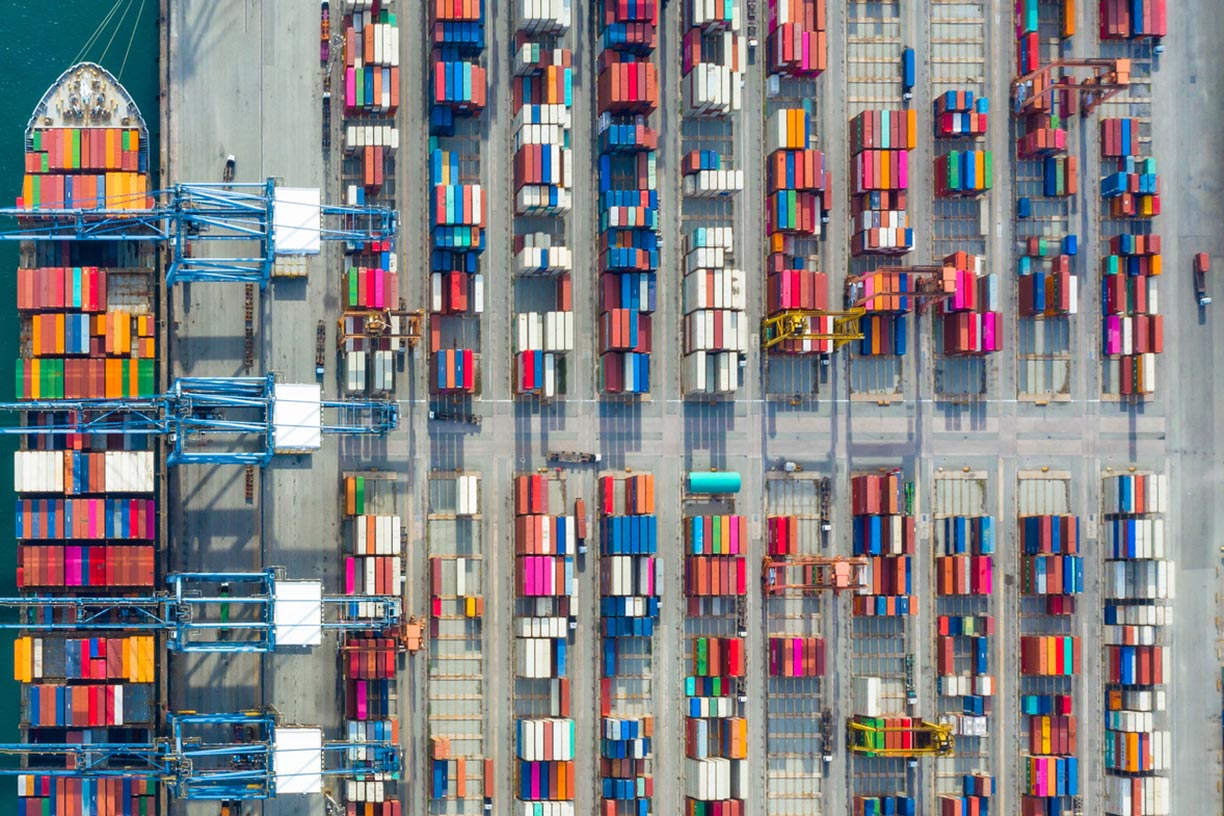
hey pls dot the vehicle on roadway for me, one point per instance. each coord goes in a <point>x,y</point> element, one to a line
<point>1202,265</point>
<point>227,173</point>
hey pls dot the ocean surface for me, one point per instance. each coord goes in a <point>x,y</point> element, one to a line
<point>42,41</point>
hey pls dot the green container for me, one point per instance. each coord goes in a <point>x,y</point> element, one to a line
<point>19,378</point>
<point>125,139</point>
<point>359,490</point>
<point>146,374</point>
<point>45,163</point>
<point>37,140</point>
<point>76,148</point>
<point>714,482</point>
<point>716,541</point>
<point>989,162</point>
<point>716,687</point>
<point>1112,265</point>
<point>953,180</point>
<point>352,286</point>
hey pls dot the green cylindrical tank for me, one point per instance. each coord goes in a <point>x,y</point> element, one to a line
<point>719,481</point>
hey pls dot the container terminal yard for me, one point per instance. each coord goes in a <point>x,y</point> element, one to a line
<point>416,432</point>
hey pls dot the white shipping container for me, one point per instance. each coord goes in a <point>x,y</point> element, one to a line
<point>867,696</point>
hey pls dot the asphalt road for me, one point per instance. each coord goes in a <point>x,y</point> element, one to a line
<point>246,81</point>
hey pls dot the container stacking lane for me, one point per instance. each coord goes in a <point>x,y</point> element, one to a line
<point>630,583</point>
<point>963,587</point>
<point>460,768</point>
<point>1051,577</point>
<point>799,726</point>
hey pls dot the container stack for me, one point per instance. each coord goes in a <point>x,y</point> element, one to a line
<point>1028,37</point>
<point>714,57</point>
<point>975,797</point>
<point>1048,783</point>
<point>458,82</point>
<point>1060,176</point>
<point>972,322</point>
<point>715,312</point>
<point>1133,19</point>
<point>880,142</point>
<point>374,565</point>
<point>626,96</point>
<point>964,563</point>
<point>1132,328</point>
<point>85,168</point>
<point>374,144</point>
<point>967,547</point>
<point>547,601</point>
<point>371,63</point>
<point>706,175</point>
<point>715,586</point>
<point>80,342</point>
<point>958,114</point>
<point>1048,287</point>
<point>887,537</point>
<point>798,40</point>
<point>885,805</point>
<point>1050,655</point>
<point>796,656</point>
<point>1051,566</point>
<point>629,608</point>
<point>373,568</point>
<point>1138,591</point>
<point>369,362</point>
<point>1130,185</point>
<point>543,176</point>
<point>883,327</point>
<point>797,177</point>
<point>456,284</point>
<point>76,687</point>
<point>964,173</point>
<point>715,563</point>
<point>797,186</point>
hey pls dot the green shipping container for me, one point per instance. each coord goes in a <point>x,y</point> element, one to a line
<point>146,374</point>
<point>126,139</point>
<point>360,495</point>
<point>44,163</point>
<point>952,176</point>
<point>37,140</point>
<point>703,657</point>
<point>76,148</point>
<point>990,171</point>
<point>352,286</point>
<point>1111,264</point>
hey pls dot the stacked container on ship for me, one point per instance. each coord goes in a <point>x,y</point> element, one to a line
<point>86,520</point>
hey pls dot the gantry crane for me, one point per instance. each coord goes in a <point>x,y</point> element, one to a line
<point>213,612</point>
<point>871,738</point>
<point>378,324</point>
<point>923,284</point>
<point>1108,78</point>
<point>258,414</point>
<point>240,756</point>
<point>270,217</point>
<point>816,574</point>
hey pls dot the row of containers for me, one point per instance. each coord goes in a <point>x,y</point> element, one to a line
<point>797,204</point>
<point>85,332</point>
<point>373,570</point>
<point>459,91</point>
<point>543,100</point>
<point>370,357</point>
<point>714,326</point>
<point>86,518</point>
<point>630,587</point>
<point>454,597</point>
<point>972,321</point>
<point>963,582</point>
<point>627,95</point>
<point>546,591</point>
<point>715,730</point>
<point>885,534</point>
<point>1051,578</point>
<point>880,141</point>
<point>1135,662</point>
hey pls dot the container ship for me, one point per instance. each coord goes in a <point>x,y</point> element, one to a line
<point>87,522</point>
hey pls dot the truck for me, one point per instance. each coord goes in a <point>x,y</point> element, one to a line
<point>581,520</point>
<point>320,340</point>
<point>324,32</point>
<point>1202,265</point>
<point>907,74</point>
<point>453,416</point>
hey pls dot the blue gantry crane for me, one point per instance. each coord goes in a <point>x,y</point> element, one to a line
<point>213,612</point>
<point>232,756</point>
<point>259,416</point>
<point>263,218</point>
